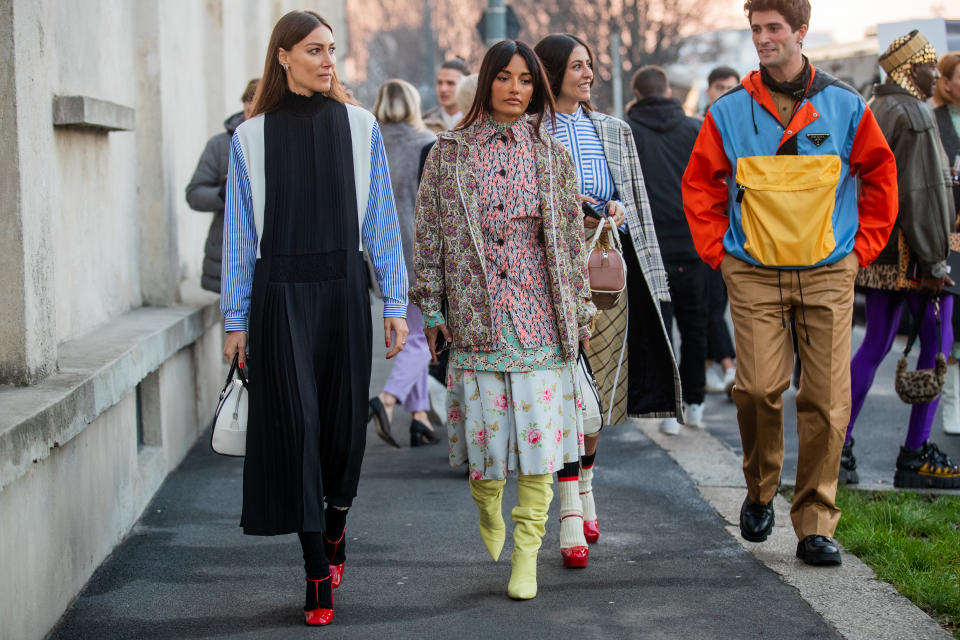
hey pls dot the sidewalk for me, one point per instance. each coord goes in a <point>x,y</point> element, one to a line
<point>664,567</point>
<point>669,563</point>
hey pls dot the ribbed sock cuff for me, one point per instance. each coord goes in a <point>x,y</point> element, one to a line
<point>585,486</point>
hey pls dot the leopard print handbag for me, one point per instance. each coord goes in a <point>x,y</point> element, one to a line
<point>923,385</point>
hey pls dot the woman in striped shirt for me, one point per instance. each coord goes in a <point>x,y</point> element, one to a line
<point>307,187</point>
<point>611,184</point>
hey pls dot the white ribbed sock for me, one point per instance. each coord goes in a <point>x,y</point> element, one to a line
<point>586,494</point>
<point>571,528</point>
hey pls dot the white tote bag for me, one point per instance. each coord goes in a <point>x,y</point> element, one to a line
<point>229,436</point>
<point>590,394</point>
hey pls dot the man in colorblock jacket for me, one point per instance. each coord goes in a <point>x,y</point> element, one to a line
<point>771,196</point>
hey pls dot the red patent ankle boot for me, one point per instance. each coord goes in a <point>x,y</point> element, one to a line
<point>320,616</point>
<point>336,570</point>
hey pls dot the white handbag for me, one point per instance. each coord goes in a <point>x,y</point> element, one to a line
<point>590,396</point>
<point>229,436</point>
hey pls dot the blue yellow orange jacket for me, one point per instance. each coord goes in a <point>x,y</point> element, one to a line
<point>787,196</point>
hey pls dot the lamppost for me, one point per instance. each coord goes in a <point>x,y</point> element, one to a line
<point>496,22</point>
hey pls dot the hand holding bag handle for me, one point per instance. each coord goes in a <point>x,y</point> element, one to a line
<point>229,437</point>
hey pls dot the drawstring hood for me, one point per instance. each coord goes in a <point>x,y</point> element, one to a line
<point>753,113</point>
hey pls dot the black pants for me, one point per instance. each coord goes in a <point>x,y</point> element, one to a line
<point>719,342</point>
<point>687,284</point>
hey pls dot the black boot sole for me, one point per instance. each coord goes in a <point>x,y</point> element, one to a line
<point>817,559</point>
<point>904,479</point>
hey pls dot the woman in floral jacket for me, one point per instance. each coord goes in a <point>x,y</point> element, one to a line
<point>499,239</point>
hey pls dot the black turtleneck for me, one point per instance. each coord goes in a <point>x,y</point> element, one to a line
<point>305,106</point>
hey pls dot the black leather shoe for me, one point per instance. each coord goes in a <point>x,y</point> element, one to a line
<point>381,422</point>
<point>756,520</point>
<point>819,551</point>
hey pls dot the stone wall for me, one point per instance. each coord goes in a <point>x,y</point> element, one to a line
<point>109,354</point>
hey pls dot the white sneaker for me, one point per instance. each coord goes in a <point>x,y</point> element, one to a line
<point>715,382</point>
<point>728,376</point>
<point>669,426</point>
<point>693,415</point>
<point>950,401</point>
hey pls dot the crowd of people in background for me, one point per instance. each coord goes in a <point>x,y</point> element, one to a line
<point>786,193</point>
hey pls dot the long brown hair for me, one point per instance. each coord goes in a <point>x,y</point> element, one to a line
<point>554,52</point>
<point>289,30</point>
<point>947,65</point>
<point>496,60</point>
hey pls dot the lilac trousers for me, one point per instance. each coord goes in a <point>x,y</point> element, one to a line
<point>408,379</point>
<point>883,310</point>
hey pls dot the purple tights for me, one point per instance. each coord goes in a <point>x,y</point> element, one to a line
<point>883,309</point>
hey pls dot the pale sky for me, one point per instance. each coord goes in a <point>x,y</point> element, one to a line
<point>847,19</point>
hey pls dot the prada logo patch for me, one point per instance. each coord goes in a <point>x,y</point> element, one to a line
<point>817,138</point>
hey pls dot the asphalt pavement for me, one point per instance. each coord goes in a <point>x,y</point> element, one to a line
<point>665,567</point>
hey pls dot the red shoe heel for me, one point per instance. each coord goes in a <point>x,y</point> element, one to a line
<point>575,557</point>
<point>591,530</point>
<point>336,570</point>
<point>320,616</point>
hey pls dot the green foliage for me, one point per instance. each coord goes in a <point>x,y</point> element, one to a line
<point>910,540</point>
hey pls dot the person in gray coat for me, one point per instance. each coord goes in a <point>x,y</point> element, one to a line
<point>397,109</point>
<point>207,189</point>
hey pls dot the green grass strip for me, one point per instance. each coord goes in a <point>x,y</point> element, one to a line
<point>910,540</point>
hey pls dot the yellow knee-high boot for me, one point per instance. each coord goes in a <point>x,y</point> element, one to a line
<point>488,495</point>
<point>530,516</point>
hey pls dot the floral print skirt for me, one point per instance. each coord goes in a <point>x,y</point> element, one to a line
<point>505,421</point>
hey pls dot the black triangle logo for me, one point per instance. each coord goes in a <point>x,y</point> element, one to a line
<point>818,138</point>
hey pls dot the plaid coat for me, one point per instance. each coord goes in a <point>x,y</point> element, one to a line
<point>649,390</point>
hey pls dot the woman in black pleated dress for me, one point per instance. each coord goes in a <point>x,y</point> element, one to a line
<point>307,188</point>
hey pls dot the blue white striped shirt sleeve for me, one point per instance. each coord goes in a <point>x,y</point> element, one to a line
<point>381,233</point>
<point>239,243</point>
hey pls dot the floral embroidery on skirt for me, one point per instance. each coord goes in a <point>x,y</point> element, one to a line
<point>501,422</point>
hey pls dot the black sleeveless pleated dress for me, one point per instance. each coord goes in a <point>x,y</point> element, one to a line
<point>310,327</point>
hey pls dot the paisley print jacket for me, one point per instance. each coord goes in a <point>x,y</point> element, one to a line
<point>449,257</point>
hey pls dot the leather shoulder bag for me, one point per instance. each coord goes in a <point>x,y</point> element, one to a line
<point>608,272</point>
<point>229,437</point>
<point>923,385</point>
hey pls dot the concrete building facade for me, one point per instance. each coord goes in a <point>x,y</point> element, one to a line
<point>109,352</point>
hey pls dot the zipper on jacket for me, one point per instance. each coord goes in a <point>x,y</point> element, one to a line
<point>740,191</point>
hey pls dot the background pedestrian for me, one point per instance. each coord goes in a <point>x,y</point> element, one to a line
<point>665,136</point>
<point>925,218</point>
<point>605,160</point>
<point>397,108</point>
<point>207,190</point>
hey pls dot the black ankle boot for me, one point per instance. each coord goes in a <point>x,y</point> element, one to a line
<point>848,465</point>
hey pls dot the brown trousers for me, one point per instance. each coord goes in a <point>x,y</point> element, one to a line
<point>762,302</point>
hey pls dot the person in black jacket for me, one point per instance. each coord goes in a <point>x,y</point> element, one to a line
<point>665,136</point>
<point>207,188</point>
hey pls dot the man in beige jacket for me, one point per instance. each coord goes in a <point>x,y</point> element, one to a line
<point>447,114</point>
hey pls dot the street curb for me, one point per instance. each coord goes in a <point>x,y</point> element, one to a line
<point>850,597</point>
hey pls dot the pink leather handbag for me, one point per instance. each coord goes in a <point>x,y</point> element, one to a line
<point>608,272</point>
